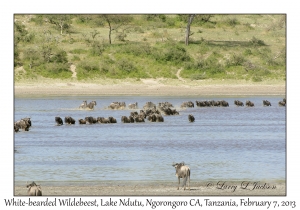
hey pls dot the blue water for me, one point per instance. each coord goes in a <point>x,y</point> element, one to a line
<point>224,143</point>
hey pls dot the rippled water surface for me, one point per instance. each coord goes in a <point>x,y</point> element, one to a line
<point>224,143</point>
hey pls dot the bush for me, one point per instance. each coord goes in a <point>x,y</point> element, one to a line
<point>88,66</point>
<point>172,53</point>
<point>59,57</point>
<point>198,76</point>
<point>235,60</point>
<point>256,42</point>
<point>78,51</point>
<point>97,48</point>
<point>54,70</point>
<point>125,65</point>
<point>231,22</point>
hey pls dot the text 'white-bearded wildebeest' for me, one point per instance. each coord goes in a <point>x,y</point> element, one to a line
<point>34,189</point>
<point>182,171</point>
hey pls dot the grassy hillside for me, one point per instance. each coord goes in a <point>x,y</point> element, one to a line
<point>221,47</point>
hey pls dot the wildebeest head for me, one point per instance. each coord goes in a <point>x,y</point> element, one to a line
<point>182,170</point>
<point>34,189</point>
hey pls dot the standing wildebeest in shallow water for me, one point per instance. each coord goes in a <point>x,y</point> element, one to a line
<point>91,105</point>
<point>34,189</point>
<point>83,105</point>
<point>90,120</point>
<point>112,120</point>
<point>59,121</point>
<point>249,103</point>
<point>191,118</point>
<point>266,103</point>
<point>117,105</point>
<point>187,104</point>
<point>125,119</point>
<point>103,120</point>
<point>69,120</point>
<point>149,105</point>
<point>282,103</point>
<point>82,121</point>
<point>27,120</point>
<point>133,106</point>
<point>238,103</point>
<point>182,171</point>
<point>22,124</point>
<point>16,128</point>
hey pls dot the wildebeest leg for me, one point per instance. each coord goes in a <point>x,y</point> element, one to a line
<point>184,182</point>
<point>178,183</point>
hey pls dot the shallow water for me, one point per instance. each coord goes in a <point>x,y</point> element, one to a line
<point>224,143</point>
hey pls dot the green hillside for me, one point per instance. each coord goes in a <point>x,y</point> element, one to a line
<point>221,47</point>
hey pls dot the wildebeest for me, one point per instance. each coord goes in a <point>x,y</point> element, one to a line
<point>282,103</point>
<point>82,121</point>
<point>103,120</point>
<point>91,105</point>
<point>139,118</point>
<point>22,124</point>
<point>69,120</point>
<point>16,128</point>
<point>90,120</point>
<point>224,103</point>
<point>191,118</point>
<point>125,119</point>
<point>182,171</point>
<point>112,120</point>
<point>238,103</point>
<point>34,189</point>
<point>133,106</point>
<point>117,105</point>
<point>83,105</point>
<point>149,105</point>
<point>27,120</point>
<point>266,103</point>
<point>59,121</point>
<point>249,103</point>
<point>187,104</point>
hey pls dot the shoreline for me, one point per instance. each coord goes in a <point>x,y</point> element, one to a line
<point>160,188</point>
<point>147,87</point>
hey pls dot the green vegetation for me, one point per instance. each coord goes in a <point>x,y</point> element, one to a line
<point>233,47</point>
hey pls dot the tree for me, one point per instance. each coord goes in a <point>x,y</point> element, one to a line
<point>115,22</point>
<point>62,22</point>
<point>188,29</point>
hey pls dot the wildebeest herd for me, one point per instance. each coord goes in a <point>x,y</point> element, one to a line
<point>150,112</point>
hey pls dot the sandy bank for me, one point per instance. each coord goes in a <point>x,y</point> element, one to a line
<point>147,87</point>
<point>160,189</point>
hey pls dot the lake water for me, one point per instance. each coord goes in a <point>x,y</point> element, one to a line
<point>224,143</point>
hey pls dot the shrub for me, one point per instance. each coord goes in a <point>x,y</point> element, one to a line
<point>54,70</point>
<point>125,65</point>
<point>198,76</point>
<point>247,52</point>
<point>78,51</point>
<point>97,48</point>
<point>89,65</point>
<point>76,58</point>
<point>59,57</point>
<point>235,60</point>
<point>231,22</point>
<point>257,42</point>
<point>173,53</point>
